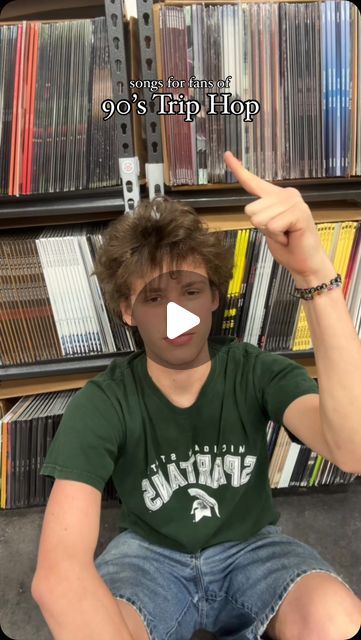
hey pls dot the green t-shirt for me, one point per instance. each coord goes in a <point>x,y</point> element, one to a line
<point>187,478</point>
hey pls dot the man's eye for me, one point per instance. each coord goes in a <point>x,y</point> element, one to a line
<point>153,299</point>
<point>193,291</point>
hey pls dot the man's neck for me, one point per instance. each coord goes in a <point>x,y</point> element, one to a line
<point>181,382</point>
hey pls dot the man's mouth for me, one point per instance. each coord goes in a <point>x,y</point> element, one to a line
<point>184,338</point>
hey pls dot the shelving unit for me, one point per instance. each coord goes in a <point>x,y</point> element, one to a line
<point>330,199</point>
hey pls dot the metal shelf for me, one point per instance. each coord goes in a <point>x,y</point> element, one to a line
<point>63,366</point>
<point>315,490</point>
<point>78,364</point>
<point>294,355</point>
<point>57,204</point>
<point>327,190</point>
<point>111,199</point>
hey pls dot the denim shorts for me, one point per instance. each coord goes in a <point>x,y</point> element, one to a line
<point>232,589</point>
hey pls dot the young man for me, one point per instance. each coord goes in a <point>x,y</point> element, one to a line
<point>181,428</point>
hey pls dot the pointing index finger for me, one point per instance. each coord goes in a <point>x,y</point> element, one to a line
<point>249,181</point>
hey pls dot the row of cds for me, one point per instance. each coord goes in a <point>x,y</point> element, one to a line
<point>300,61</point>
<point>293,464</point>
<point>53,79</point>
<point>260,306</point>
<point>51,306</point>
<point>27,430</point>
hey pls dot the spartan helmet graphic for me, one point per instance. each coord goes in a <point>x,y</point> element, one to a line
<point>203,506</point>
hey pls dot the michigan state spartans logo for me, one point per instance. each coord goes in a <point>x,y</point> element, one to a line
<point>203,505</point>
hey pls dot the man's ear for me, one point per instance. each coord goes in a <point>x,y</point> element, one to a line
<point>215,299</point>
<point>126,311</point>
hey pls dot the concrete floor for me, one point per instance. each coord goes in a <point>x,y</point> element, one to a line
<point>328,521</point>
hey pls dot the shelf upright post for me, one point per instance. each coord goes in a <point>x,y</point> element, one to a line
<point>128,162</point>
<point>154,166</point>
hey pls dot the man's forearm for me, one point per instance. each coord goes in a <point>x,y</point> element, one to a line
<point>338,360</point>
<point>82,608</point>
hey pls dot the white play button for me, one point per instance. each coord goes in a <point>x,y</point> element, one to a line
<point>179,320</point>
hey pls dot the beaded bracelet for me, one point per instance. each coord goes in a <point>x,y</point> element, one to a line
<point>308,294</point>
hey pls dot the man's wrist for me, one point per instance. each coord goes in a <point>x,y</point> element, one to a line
<point>324,274</point>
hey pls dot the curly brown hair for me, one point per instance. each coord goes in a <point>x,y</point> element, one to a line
<point>161,230</point>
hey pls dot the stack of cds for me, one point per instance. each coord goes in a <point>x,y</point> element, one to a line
<point>53,79</point>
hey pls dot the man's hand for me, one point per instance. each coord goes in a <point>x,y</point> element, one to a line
<point>286,221</point>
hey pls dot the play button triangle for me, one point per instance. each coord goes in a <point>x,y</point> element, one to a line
<point>179,320</point>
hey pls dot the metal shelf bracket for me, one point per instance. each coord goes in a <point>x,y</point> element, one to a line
<point>128,162</point>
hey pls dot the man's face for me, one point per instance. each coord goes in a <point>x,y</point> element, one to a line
<point>188,286</point>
